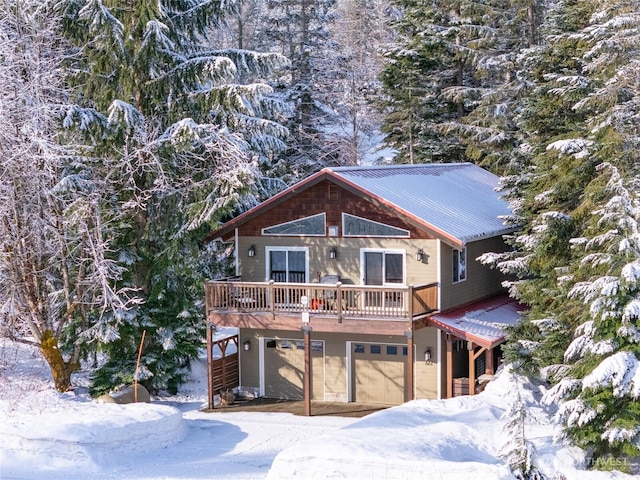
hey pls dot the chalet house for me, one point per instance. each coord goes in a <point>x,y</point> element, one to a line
<point>366,279</point>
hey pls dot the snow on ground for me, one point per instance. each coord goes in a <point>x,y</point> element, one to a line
<point>52,436</point>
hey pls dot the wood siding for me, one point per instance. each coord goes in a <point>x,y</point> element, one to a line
<point>347,263</point>
<point>317,199</point>
<point>335,360</point>
<point>481,282</point>
<point>426,372</point>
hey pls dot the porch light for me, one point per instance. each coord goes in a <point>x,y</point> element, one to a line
<point>333,253</point>
<point>252,251</point>
<point>247,345</point>
<point>427,354</point>
<point>420,255</point>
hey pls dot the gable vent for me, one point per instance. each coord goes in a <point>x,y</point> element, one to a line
<point>333,192</point>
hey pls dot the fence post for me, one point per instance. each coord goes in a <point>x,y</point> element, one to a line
<point>411,294</point>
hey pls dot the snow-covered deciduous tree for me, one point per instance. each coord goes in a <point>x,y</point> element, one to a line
<point>360,29</point>
<point>181,132</point>
<point>57,280</point>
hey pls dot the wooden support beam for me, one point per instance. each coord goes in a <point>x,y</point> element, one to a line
<point>490,368</point>
<point>306,330</point>
<point>473,355</point>
<point>210,327</point>
<point>409,390</point>
<point>472,368</point>
<point>449,374</point>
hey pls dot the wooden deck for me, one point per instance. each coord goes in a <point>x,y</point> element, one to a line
<point>280,306</point>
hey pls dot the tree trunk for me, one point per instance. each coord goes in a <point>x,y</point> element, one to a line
<point>51,353</point>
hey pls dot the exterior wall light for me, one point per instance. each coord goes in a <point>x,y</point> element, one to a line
<point>420,255</point>
<point>427,355</point>
<point>252,251</point>
<point>333,253</point>
<point>247,345</point>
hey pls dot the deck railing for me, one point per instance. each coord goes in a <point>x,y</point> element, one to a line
<point>357,301</point>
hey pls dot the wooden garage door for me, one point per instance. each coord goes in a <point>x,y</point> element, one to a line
<point>378,373</point>
<point>284,369</point>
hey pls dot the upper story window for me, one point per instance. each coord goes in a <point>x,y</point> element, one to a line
<point>382,267</point>
<point>287,264</point>
<point>353,226</point>
<point>315,225</point>
<point>459,265</point>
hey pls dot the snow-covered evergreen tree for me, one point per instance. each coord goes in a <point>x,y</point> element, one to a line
<point>545,193</point>
<point>518,451</point>
<point>300,31</point>
<point>599,395</point>
<point>358,31</point>
<point>490,131</point>
<point>447,60</point>
<point>180,138</point>
<point>578,252</point>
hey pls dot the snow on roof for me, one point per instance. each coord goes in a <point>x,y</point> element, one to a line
<point>459,199</point>
<point>482,322</point>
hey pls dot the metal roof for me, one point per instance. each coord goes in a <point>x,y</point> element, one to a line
<point>459,199</point>
<point>482,322</point>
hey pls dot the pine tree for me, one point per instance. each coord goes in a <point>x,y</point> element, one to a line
<point>179,138</point>
<point>444,64</point>
<point>578,253</point>
<point>601,411</point>
<point>300,31</point>
<point>490,131</point>
<point>517,451</point>
<point>554,168</point>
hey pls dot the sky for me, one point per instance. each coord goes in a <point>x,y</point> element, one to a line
<point>53,436</point>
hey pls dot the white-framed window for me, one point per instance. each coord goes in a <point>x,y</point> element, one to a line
<point>313,226</point>
<point>353,226</point>
<point>383,267</point>
<point>288,264</point>
<point>459,265</point>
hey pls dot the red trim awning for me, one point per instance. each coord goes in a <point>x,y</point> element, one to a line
<point>481,322</point>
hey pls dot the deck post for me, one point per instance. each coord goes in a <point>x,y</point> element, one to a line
<point>449,374</point>
<point>410,366</point>
<point>210,328</point>
<point>489,367</point>
<point>272,302</point>
<point>306,330</point>
<point>339,301</point>
<point>472,369</point>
